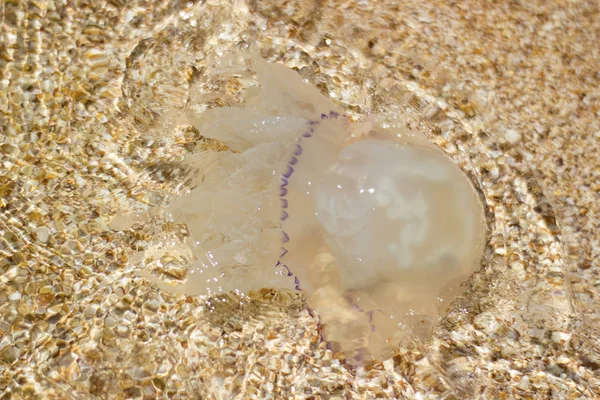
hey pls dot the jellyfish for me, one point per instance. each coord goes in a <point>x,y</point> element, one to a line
<point>375,225</point>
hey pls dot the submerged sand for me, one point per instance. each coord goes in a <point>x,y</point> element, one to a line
<point>510,89</point>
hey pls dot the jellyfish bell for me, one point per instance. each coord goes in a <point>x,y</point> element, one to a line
<point>401,223</point>
<point>398,208</point>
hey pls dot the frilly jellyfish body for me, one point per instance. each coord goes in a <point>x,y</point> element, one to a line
<point>375,225</point>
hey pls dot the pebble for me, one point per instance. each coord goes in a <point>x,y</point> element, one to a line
<point>561,338</point>
<point>15,296</point>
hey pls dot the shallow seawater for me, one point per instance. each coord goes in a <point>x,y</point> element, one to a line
<point>224,273</point>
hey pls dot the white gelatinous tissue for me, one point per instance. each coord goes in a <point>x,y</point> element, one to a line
<point>375,225</point>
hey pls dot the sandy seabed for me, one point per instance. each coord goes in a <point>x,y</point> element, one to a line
<point>509,90</point>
